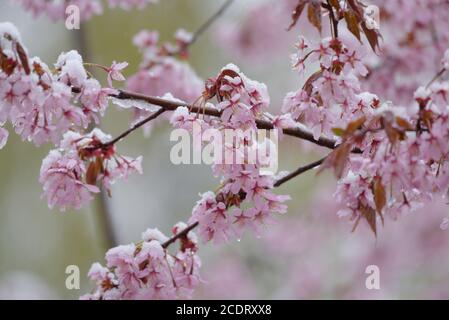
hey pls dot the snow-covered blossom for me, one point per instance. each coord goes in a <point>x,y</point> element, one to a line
<point>70,174</point>
<point>61,177</point>
<point>147,270</point>
<point>39,103</point>
<point>244,199</point>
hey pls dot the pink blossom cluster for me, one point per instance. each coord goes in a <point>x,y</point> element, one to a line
<point>415,36</point>
<point>389,159</point>
<point>147,270</point>
<point>162,72</point>
<point>244,199</point>
<point>56,10</point>
<point>403,164</point>
<point>55,106</point>
<point>70,174</point>
<point>332,96</point>
<point>317,257</point>
<point>40,103</point>
<point>260,35</point>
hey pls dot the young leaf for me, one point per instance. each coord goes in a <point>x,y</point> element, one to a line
<point>355,125</point>
<point>353,23</point>
<point>314,14</point>
<point>370,216</point>
<point>297,13</point>
<point>372,36</point>
<point>380,197</point>
<point>23,58</point>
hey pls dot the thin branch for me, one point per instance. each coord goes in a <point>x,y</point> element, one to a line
<point>278,183</point>
<point>436,77</point>
<point>134,127</point>
<point>181,234</point>
<point>168,105</point>
<point>298,172</point>
<point>209,22</point>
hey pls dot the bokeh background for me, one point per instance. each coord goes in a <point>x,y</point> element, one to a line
<point>309,253</point>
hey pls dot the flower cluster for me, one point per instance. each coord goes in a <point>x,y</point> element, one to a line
<point>70,174</point>
<point>54,106</point>
<point>161,72</point>
<point>244,199</point>
<point>404,160</point>
<point>56,10</point>
<point>332,96</point>
<point>147,270</point>
<point>39,103</point>
<point>416,36</point>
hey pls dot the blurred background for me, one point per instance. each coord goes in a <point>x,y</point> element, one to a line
<point>309,253</point>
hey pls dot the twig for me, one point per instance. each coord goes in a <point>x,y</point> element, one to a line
<point>134,127</point>
<point>168,105</point>
<point>181,234</point>
<point>278,183</point>
<point>209,22</point>
<point>298,172</point>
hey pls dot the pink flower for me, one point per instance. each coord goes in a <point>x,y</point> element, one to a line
<point>114,72</point>
<point>61,176</point>
<point>147,270</point>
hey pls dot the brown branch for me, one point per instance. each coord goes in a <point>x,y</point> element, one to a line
<point>181,234</point>
<point>209,22</point>
<point>133,128</point>
<point>278,183</point>
<point>168,105</point>
<point>298,172</point>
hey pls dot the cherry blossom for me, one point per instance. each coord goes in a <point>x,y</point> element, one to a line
<point>147,270</point>
<point>387,132</point>
<point>114,72</point>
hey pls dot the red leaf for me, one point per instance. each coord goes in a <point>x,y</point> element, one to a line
<point>380,197</point>
<point>23,58</point>
<point>297,13</point>
<point>314,14</point>
<point>370,216</point>
<point>353,23</point>
<point>372,36</point>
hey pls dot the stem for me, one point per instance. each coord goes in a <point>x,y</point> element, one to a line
<point>210,21</point>
<point>134,127</point>
<point>168,105</point>
<point>278,183</point>
<point>181,234</point>
<point>298,172</point>
<point>437,76</point>
<point>334,20</point>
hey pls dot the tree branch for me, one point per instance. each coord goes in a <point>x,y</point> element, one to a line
<point>168,105</point>
<point>278,183</point>
<point>298,172</point>
<point>134,127</point>
<point>210,21</point>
